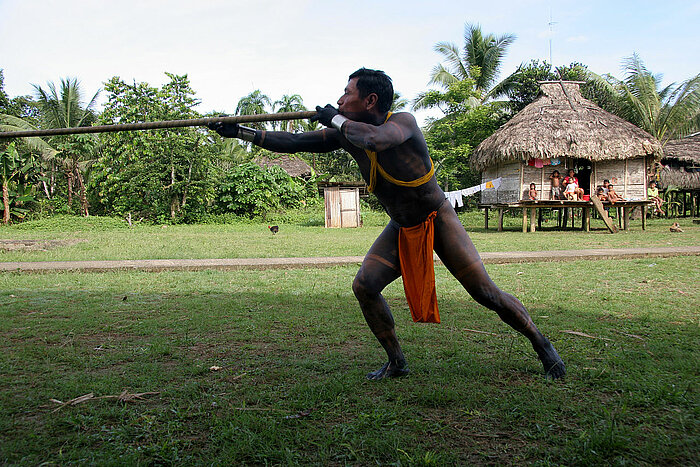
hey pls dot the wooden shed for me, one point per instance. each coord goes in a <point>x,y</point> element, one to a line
<point>561,130</point>
<point>342,207</point>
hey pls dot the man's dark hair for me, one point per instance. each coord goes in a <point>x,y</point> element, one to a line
<point>375,81</point>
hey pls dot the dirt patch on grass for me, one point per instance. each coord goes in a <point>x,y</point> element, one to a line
<point>37,245</point>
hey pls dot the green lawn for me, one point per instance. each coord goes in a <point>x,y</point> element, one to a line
<point>293,351</point>
<point>112,239</point>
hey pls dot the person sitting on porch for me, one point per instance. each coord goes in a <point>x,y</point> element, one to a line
<point>533,191</point>
<point>601,194</point>
<point>577,190</point>
<point>571,191</point>
<point>613,197</point>
<point>555,180</point>
<point>653,195</point>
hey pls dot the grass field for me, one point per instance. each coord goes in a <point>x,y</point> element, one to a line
<point>292,351</point>
<point>112,239</point>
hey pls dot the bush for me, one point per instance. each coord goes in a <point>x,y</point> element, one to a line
<point>249,190</point>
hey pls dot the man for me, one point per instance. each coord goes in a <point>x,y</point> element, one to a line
<point>393,158</point>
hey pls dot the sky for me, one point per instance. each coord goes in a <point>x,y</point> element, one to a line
<point>307,47</point>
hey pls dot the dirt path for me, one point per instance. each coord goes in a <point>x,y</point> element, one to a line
<point>296,263</point>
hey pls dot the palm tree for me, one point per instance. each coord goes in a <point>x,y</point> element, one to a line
<point>479,60</point>
<point>666,113</point>
<point>287,103</point>
<point>253,104</point>
<point>63,108</point>
<point>398,103</point>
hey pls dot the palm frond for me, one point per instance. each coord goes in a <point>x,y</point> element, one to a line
<point>34,143</point>
<point>442,76</point>
<point>451,52</point>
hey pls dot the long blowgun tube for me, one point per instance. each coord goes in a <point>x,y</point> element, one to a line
<point>160,125</point>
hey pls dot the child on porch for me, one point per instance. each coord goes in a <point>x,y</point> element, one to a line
<point>601,194</point>
<point>571,191</point>
<point>653,195</point>
<point>613,197</point>
<point>555,180</point>
<point>533,191</point>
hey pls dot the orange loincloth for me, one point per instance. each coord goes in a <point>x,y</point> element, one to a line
<point>416,259</point>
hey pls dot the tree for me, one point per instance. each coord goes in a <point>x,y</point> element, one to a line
<point>398,103</point>
<point>452,139</point>
<point>9,168</point>
<point>250,190</point>
<point>162,175</point>
<point>479,61</point>
<point>254,103</point>
<point>290,103</point>
<point>666,113</point>
<point>63,108</point>
<point>522,86</point>
<point>16,172</point>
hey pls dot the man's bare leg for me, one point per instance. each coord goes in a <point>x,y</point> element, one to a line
<point>457,252</point>
<point>380,268</point>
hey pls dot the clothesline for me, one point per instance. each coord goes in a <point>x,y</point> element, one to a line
<point>455,197</point>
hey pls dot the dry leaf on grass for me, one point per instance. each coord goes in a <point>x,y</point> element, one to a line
<point>125,396</point>
<point>480,332</point>
<point>583,334</point>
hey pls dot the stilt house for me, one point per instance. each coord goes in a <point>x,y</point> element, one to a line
<point>681,171</point>
<point>561,130</point>
<point>681,163</point>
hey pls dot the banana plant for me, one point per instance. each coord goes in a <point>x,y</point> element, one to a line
<point>12,166</point>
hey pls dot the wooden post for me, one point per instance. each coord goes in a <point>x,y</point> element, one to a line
<point>644,216</point>
<point>486,218</point>
<point>626,217</point>
<point>524,219</point>
<point>500,219</point>
<point>532,219</point>
<point>586,219</point>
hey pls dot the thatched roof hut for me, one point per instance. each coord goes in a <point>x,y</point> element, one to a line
<point>563,128</point>
<point>293,165</point>
<point>681,163</point>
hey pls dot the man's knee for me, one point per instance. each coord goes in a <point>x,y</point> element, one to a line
<point>361,287</point>
<point>486,293</point>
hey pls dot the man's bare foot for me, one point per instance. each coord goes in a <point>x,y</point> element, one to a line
<point>387,371</point>
<point>553,364</point>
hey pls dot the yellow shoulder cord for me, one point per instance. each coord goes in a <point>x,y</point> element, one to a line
<point>374,166</point>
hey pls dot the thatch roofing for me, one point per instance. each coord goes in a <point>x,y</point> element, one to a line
<point>293,165</point>
<point>684,149</point>
<point>561,123</point>
<point>680,179</point>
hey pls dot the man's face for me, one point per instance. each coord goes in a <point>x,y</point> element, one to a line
<point>350,103</point>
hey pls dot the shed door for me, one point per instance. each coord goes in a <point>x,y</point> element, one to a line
<point>350,208</point>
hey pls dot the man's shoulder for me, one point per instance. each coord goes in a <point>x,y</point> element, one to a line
<point>403,117</point>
